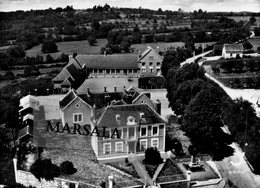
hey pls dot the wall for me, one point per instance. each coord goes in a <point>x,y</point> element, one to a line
<point>28,179</point>
<point>85,109</point>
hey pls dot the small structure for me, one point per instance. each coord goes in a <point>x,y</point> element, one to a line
<point>232,50</point>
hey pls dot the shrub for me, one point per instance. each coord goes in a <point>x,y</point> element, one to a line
<point>44,169</point>
<point>152,156</point>
<point>66,167</point>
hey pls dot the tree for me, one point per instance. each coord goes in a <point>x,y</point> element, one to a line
<point>49,47</point>
<point>202,123</point>
<point>31,71</point>
<point>49,59</point>
<point>152,156</point>
<point>252,20</point>
<point>91,40</point>
<point>44,169</point>
<point>16,51</point>
<point>66,167</point>
<point>169,62</point>
<point>95,25</point>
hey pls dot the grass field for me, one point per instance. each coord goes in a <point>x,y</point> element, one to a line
<point>244,18</point>
<point>80,47</point>
<point>162,46</point>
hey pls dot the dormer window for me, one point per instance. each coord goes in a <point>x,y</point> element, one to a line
<point>131,120</point>
<point>118,117</point>
<point>142,116</point>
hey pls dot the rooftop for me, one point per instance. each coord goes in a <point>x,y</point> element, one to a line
<point>233,47</point>
<point>125,111</point>
<point>115,61</point>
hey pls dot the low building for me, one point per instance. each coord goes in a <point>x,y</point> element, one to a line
<point>232,50</point>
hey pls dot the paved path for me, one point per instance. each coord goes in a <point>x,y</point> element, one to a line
<point>141,171</point>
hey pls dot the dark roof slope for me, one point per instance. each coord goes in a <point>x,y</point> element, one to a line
<point>150,116</point>
<point>67,99</point>
<point>126,61</point>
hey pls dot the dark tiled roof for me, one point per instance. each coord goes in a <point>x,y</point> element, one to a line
<point>75,73</point>
<point>101,99</point>
<point>126,61</point>
<point>67,99</point>
<point>108,118</point>
<point>170,172</point>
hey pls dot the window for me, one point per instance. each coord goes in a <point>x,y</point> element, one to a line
<point>100,71</point>
<point>113,71</point>
<point>77,105</point>
<point>117,71</point>
<point>142,115</point>
<point>143,70</point>
<point>119,147</point>
<point>106,148</point>
<point>118,117</point>
<point>143,131</point>
<point>151,70</point>
<point>158,63</point>
<point>77,118</point>
<point>130,120</point>
<point>151,64</point>
<point>155,142</point>
<point>143,63</point>
<point>108,71</point>
<point>95,71</point>
<point>155,130</point>
<point>143,144</point>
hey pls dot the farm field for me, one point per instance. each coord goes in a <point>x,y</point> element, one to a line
<point>162,46</point>
<point>243,18</point>
<point>80,47</point>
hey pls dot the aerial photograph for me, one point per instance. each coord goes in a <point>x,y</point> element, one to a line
<point>130,94</point>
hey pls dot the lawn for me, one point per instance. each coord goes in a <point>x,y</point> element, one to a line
<point>80,47</point>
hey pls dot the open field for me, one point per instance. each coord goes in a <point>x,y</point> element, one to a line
<point>243,18</point>
<point>80,47</point>
<point>161,46</point>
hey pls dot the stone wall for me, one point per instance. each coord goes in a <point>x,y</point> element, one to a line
<point>28,179</point>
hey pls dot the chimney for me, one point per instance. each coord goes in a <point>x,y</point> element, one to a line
<point>158,105</point>
<point>110,181</point>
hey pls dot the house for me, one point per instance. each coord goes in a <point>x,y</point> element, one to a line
<point>150,62</point>
<point>77,108</point>
<point>135,116</point>
<point>232,50</point>
<point>137,127</point>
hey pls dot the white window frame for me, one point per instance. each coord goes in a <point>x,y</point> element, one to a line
<point>116,149</point>
<point>157,142</point>
<point>76,114</point>
<point>143,140</point>
<point>157,130</point>
<point>104,148</point>
<point>146,131</point>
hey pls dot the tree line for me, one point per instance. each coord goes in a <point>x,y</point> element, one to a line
<point>204,108</point>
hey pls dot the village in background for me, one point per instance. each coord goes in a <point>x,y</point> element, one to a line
<point>121,97</point>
